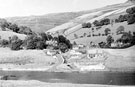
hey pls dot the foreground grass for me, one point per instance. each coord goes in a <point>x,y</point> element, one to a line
<point>34,83</point>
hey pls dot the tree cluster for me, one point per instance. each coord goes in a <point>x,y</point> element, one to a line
<point>102,22</point>
<point>14,27</point>
<point>129,17</point>
<point>37,41</point>
<point>126,40</point>
<point>86,25</point>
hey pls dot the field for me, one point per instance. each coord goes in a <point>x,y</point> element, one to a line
<point>24,60</point>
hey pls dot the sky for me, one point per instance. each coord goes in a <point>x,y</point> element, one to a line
<point>11,8</point>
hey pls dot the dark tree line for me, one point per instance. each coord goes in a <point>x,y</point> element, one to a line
<point>14,27</point>
<point>129,17</point>
<point>86,25</point>
<point>126,40</point>
<point>102,22</point>
<point>37,41</point>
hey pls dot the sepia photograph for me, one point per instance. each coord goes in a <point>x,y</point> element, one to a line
<point>67,43</point>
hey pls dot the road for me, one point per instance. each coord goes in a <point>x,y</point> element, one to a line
<point>59,61</point>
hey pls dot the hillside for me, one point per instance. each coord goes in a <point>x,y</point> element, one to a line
<point>6,34</point>
<point>86,35</point>
<point>46,22</point>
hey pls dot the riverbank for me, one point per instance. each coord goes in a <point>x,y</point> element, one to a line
<point>34,83</point>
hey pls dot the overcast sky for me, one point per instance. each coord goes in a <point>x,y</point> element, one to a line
<point>10,8</point>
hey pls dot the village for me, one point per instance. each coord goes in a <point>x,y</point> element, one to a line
<point>80,58</point>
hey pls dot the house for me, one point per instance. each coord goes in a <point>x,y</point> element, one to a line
<point>114,44</point>
<point>90,67</point>
<point>75,47</point>
<point>96,54</point>
<point>50,52</point>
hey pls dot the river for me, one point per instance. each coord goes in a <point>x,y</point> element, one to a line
<point>107,78</point>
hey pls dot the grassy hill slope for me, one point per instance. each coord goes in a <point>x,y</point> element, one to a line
<point>6,34</point>
<point>46,22</point>
<point>85,35</point>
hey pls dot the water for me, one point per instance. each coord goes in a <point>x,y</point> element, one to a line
<point>107,78</point>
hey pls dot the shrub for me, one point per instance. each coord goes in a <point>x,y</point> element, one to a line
<point>75,35</point>
<point>74,43</point>
<point>84,34</point>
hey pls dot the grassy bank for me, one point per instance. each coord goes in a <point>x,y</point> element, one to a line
<point>33,83</point>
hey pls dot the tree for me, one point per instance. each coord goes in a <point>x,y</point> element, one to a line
<point>102,44</point>
<point>62,39</point>
<point>123,18</point>
<point>105,21</point>
<point>14,38</point>
<point>49,37</point>
<point>107,31</point>
<point>4,24</point>
<point>30,42</point>
<point>131,19</point>
<point>4,43</point>
<point>14,28</point>
<point>120,30</point>
<point>43,36</point>
<point>63,47</point>
<point>86,25</point>
<point>109,40</point>
<point>40,45</point>
<point>25,30</point>
<point>133,41</point>
<point>96,23</point>
<point>16,44</point>
<point>126,37</point>
<point>131,10</point>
